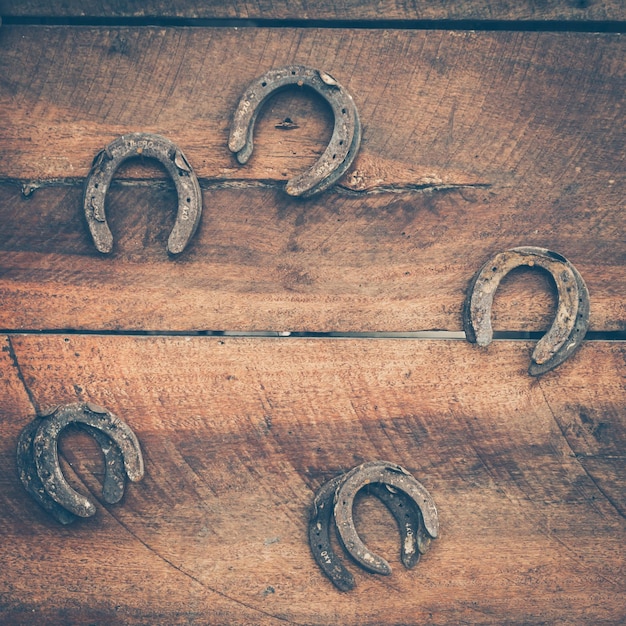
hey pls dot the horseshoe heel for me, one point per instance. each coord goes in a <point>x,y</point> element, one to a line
<point>154,146</point>
<point>344,143</point>
<point>413,540</point>
<point>47,460</point>
<point>572,316</point>
<point>30,479</point>
<point>386,474</point>
<point>319,536</point>
<point>114,472</point>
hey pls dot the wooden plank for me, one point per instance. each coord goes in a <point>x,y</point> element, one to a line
<point>539,113</point>
<point>260,262</point>
<point>345,10</point>
<point>237,435</point>
<point>475,142</point>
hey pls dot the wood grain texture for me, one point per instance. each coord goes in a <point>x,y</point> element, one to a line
<point>528,476</point>
<point>345,10</point>
<point>262,262</point>
<point>539,113</point>
<point>473,142</point>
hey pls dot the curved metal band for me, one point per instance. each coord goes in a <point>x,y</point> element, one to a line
<point>319,536</point>
<point>572,316</point>
<point>414,541</point>
<point>30,479</point>
<point>104,167</point>
<point>46,451</point>
<point>114,473</point>
<point>387,474</point>
<point>344,143</point>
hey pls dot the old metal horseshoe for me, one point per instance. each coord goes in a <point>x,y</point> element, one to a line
<point>344,143</point>
<point>104,167</point>
<point>112,488</point>
<point>572,315</point>
<point>114,472</point>
<point>407,516</point>
<point>413,539</point>
<point>387,474</point>
<point>45,452</point>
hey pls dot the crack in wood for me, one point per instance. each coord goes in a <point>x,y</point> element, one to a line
<point>563,432</point>
<point>28,187</point>
<point>20,374</point>
<point>189,575</point>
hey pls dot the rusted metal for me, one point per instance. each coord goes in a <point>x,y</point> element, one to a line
<point>393,476</point>
<point>149,145</point>
<point>38,462</point>
<point>409,519</point>
<point>30,479</point>
<point>404,497</point>
<point>345,140</point>
<point>572,315</point>
<point>319,536</point>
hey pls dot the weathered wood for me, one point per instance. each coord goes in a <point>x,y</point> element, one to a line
<point>536,112</point>
<point>473,143</point>
<point>259,261</point>
<point>345,10</point>
<point>528,476</point>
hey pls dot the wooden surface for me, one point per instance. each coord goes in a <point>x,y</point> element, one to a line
<point>474,141</point>
<point>261,262</point>
<point>324,10</point>
<point>239,433</point>
<point>438,108</point>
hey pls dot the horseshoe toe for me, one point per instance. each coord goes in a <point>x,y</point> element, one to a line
<point>572,316</point>
<point>344,143</point>
<point>154,146</point>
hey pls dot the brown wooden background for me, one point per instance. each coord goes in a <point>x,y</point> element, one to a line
<point>485,126</point>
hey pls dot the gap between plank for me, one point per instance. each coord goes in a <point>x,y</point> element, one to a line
<point>607,26</point>
<point>440,335</point>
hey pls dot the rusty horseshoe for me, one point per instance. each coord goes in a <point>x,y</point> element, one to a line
<point>401,503</point>
<point>345,140</point>
<point>38,461</point>
<point>572,315</point>
<point>112,486</point>
<point>105,165</point>
<point>399,479</point>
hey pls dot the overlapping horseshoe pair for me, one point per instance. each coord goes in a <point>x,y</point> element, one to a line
<point>38,460</point>
<point>407,500</point>
<point>572,316</point>
<point>333,163</point>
